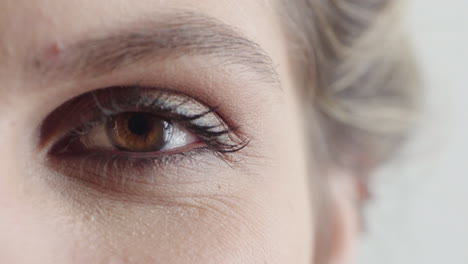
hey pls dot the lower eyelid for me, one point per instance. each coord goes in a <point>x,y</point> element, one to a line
<point>117,173</point>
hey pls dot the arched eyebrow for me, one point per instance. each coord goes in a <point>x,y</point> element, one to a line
<point>154,40</point>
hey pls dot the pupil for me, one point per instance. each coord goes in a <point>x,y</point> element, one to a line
<point>139,125</point>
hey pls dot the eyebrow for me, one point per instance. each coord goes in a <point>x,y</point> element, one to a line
<point>154,40</point>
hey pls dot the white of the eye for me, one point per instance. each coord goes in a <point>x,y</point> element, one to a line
<point>97,138</point>
<point>180,138</point>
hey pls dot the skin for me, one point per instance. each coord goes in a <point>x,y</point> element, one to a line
<point>258,210</point>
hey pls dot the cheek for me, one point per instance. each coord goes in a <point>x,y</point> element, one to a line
<point>266,220</point>
<point>265,216</point>
<point>202,230</point>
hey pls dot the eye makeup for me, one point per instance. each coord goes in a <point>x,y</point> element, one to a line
<point>65,134</point>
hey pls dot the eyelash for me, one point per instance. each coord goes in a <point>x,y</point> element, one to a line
<point>218,138</point>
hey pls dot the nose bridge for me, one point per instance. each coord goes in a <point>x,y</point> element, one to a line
<point>29,232</point>
<point>11,113</point>
<point>8,150</point>
<point>11,217</point>
<point>19,223</point>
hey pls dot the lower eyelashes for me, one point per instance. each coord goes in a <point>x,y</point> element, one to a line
<point>133,130</point>
<point>117,172</point>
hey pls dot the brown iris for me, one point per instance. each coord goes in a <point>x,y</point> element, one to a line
<point>138,132</point>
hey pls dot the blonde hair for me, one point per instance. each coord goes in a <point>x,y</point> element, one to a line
<point>359,75</point>
<point>359,82</point>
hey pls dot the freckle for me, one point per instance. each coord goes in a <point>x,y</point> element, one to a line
<point>50,55</point>
<point>54,50</point>
<point>37,63</point>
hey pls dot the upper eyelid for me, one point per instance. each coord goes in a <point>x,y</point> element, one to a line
<point>160,104</point>
<point>232,142</point>
<point>104,100</point>
<point>116,109</point>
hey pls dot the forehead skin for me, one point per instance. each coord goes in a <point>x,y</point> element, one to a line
<point>265,220</point>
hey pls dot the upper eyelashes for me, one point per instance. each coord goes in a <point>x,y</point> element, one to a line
<point>136,120</point>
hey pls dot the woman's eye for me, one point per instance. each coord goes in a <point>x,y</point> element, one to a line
<point>108,136</point>
<point>135,122</point>
<point>138,132</point>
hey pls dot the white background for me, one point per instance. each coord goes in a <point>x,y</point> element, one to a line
<point>419,214</point>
